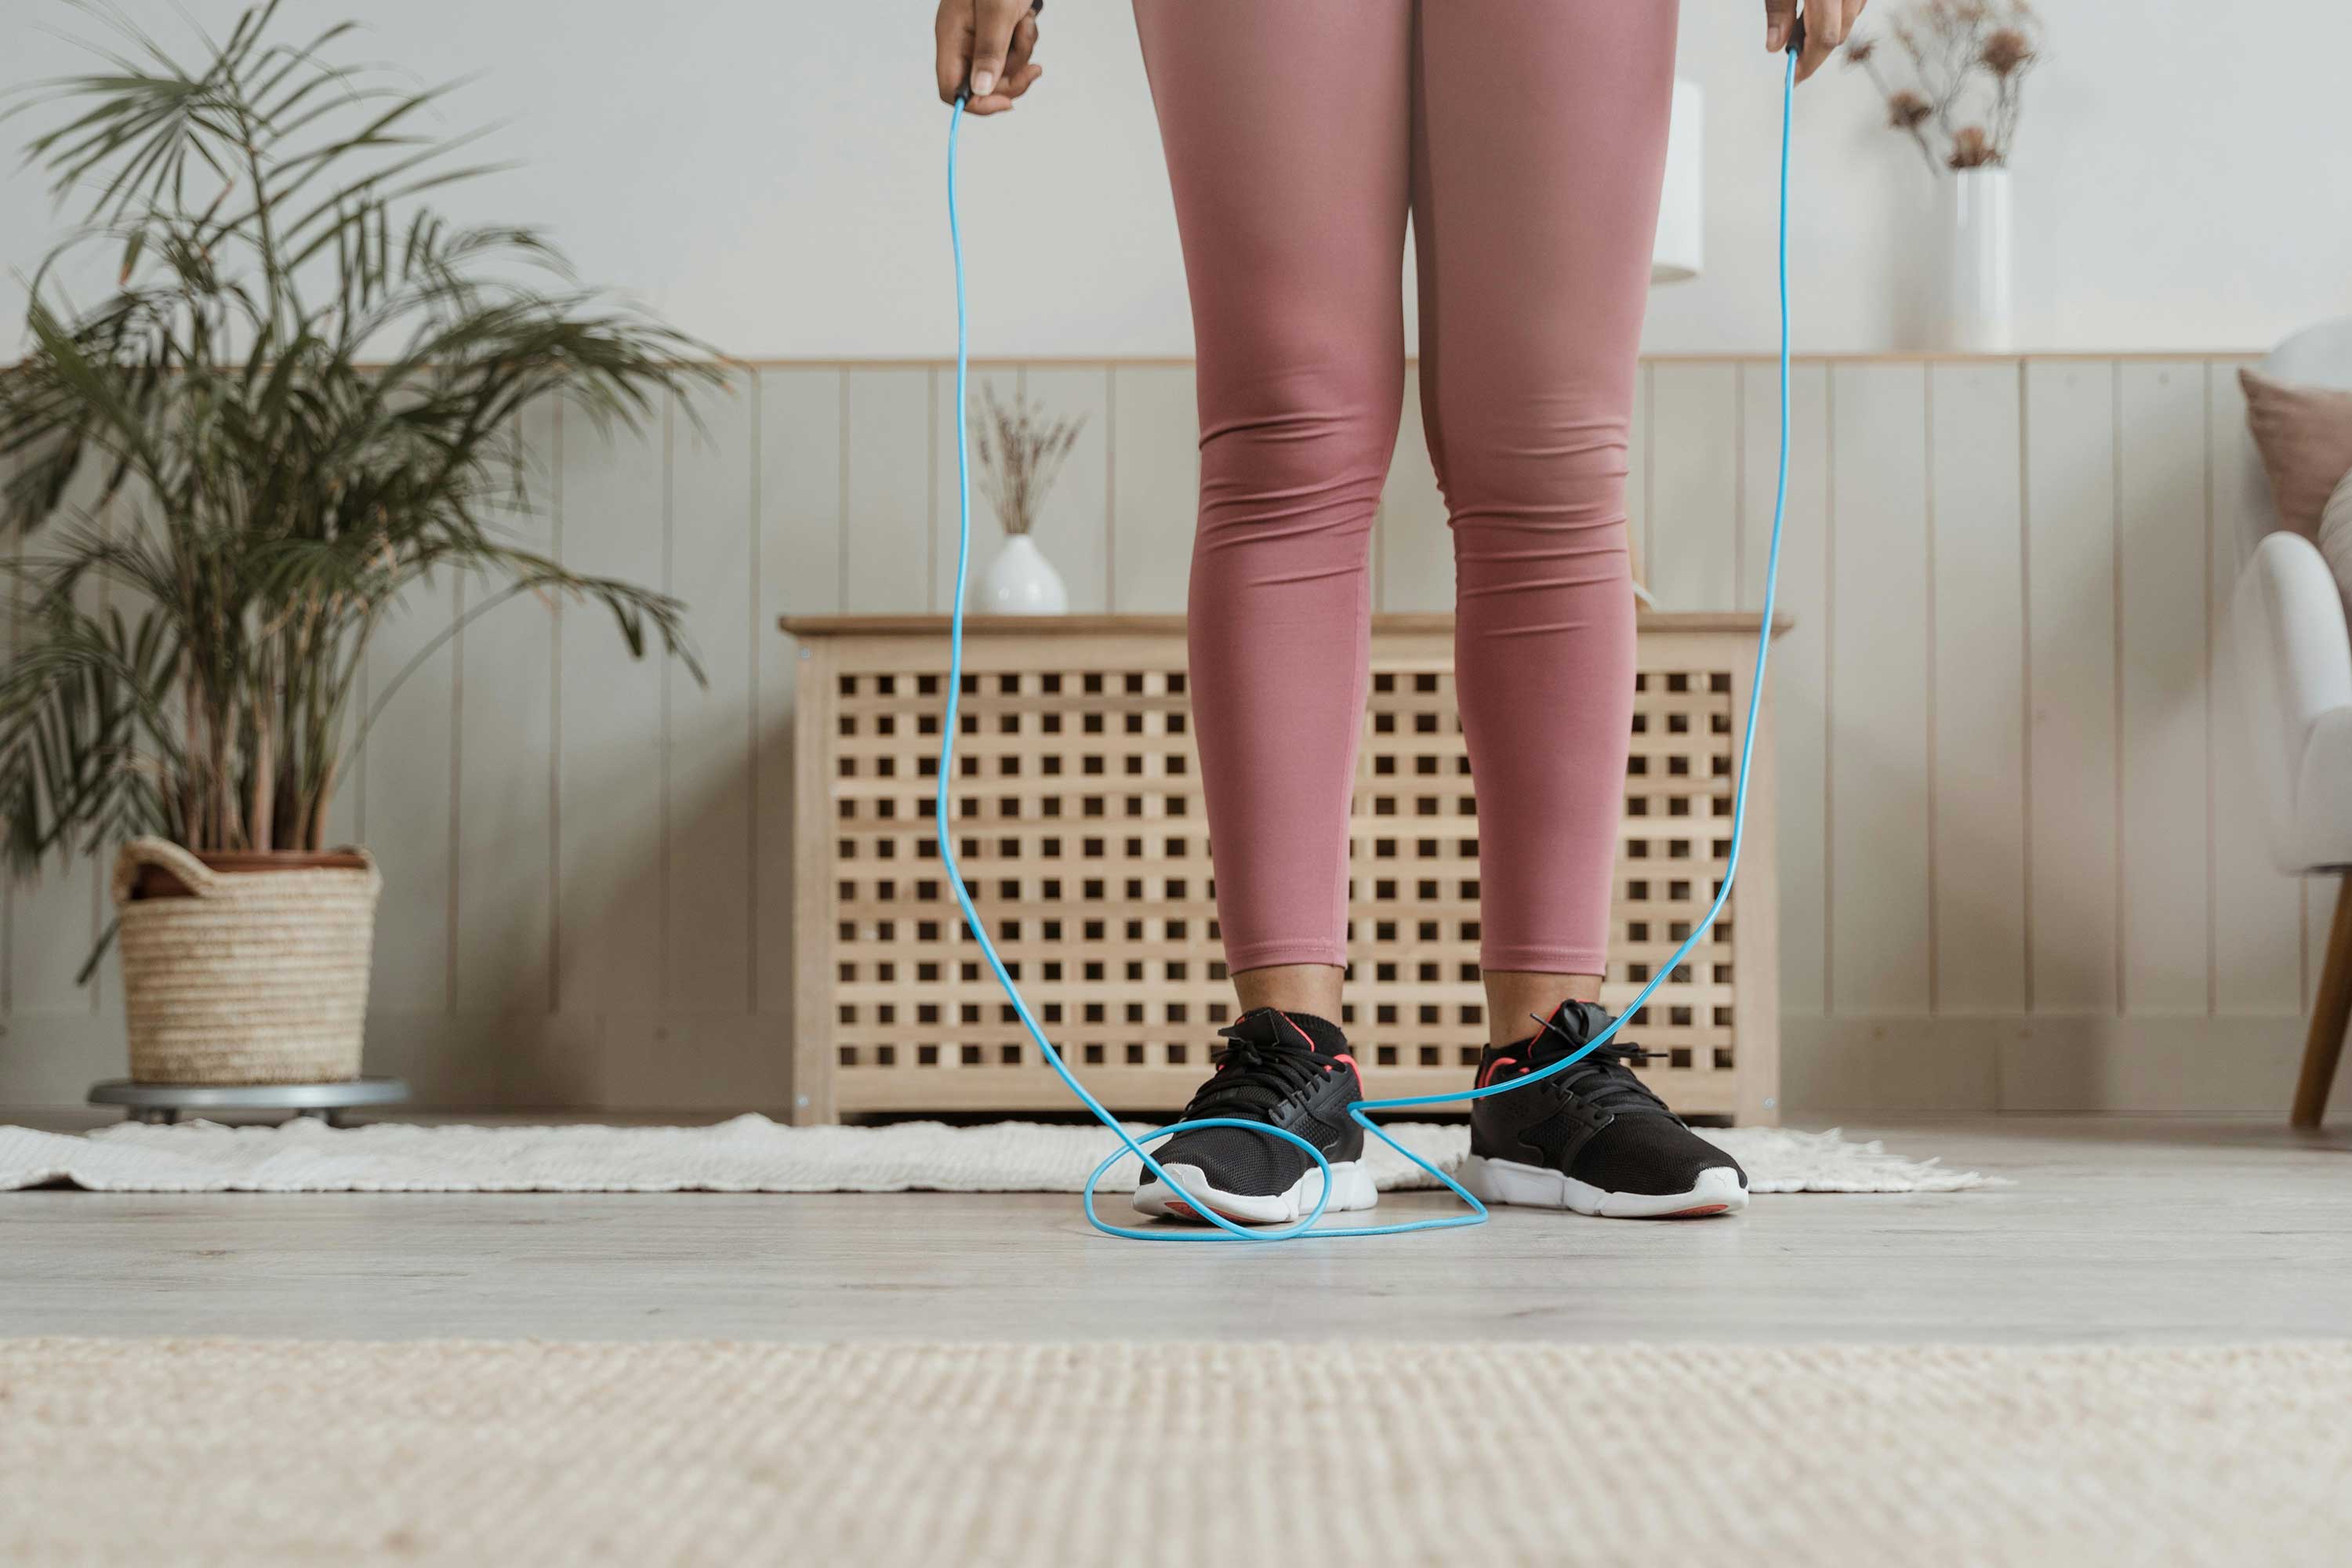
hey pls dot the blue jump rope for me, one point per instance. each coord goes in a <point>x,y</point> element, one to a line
<point>1129,1144</point>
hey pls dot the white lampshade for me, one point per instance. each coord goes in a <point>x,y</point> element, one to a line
<point>1682,212</point>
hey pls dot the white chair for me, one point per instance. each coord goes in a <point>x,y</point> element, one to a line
<point>2294,670</point>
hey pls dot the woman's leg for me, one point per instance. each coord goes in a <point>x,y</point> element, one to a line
<point>1539,145</point>
<point>1287,130</point>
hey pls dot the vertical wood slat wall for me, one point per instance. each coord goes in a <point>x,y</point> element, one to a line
<point>2021,861</point>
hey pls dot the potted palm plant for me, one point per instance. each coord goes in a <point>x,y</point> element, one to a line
<point>297,397</point>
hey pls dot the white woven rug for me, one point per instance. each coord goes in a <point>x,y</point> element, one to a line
<point>753,1154</point>
<point>1349,1454</point>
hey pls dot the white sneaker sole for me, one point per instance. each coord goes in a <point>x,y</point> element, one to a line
<point>1717,1191</point>
<point>1351,1188</point>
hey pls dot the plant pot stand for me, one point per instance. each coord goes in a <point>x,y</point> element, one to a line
<point>164,1102</point>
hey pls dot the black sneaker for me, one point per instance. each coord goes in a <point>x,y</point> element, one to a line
<point>1290,1070</point>
<point>1594,1138</point>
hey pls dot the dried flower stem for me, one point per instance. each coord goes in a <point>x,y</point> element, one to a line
<point>1955,48</point>
<point>1021,455</point>
<point>1927,151</point>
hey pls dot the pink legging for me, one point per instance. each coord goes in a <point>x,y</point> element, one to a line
<point>1527,140</point>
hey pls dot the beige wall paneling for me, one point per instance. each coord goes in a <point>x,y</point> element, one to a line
<point>799,480</point>
<point>1798,673</point>
<point>58,915</point>
<point>1954,738</point>
<point>1156,439</point>
<point>609,819</point>
<point>1074,528</point>
<point>987,533</point>
<point>715,1055</point>
<point>1691,476</point>
<point>1879,896</point>
<point>57,1042</point>
<point>506,802</point>
<point>1693,461</point>
<point>2257,909</point>
<point>410,759</point>
<point>132,510</point>
<point>2162,600</point>
<point>2070,548</point>
<point>1980,688</point>
<point>889,551</point>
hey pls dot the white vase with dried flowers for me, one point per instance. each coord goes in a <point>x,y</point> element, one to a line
<point>1968,63</point>
<point>1021,454</point>
<point>1979,286</point>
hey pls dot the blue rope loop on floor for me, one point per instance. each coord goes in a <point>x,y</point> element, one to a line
<point>1224,1229</point>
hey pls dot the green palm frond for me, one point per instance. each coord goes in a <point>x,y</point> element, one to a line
<point>302,395</point>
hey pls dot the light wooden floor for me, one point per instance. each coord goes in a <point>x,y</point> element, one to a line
<point>2142,1230</point>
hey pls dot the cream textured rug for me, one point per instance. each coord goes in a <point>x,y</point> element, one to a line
<point>753,1154</point>
<point>1351,1456</point>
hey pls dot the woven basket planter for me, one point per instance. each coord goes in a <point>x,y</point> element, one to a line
<point>249,969</point>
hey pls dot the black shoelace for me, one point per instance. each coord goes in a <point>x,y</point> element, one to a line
<point>1603,1080</point>
<point>1254,1076</point>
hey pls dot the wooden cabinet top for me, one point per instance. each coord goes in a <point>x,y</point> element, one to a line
<point>1656,621</point>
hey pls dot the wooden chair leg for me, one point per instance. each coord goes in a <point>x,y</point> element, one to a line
<point>2331,1011</point>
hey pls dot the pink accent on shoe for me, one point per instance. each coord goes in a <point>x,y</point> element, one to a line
<point>1294,1024</point>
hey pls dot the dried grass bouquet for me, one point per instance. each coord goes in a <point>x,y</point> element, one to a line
<point>1968,61</point>
<point>1021,454</point>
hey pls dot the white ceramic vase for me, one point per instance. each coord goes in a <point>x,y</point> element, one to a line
<point>1979,302</point>
<point>1022,582</point>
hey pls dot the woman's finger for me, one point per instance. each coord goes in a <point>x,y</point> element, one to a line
<point>1008,91</point>
<point>993,23</point>
<point>1825,29</point>
<point>1024,44</point>
<point>951,38</point>
<point>1778,16</point>
<point>1017,83</point>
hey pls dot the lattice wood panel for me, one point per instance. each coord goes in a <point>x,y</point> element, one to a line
<point>1080,828</point>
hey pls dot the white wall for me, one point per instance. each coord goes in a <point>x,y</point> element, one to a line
<point>770,175</point>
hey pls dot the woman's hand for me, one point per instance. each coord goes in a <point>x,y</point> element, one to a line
<point>1828,24</point>
<point>985,47</point>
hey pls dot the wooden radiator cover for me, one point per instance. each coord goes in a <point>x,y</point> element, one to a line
<point>1081,831</point>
